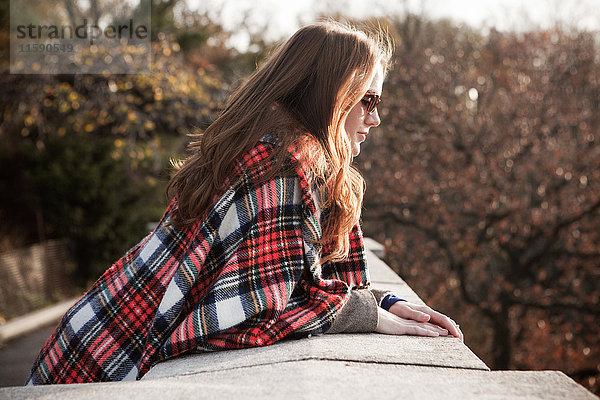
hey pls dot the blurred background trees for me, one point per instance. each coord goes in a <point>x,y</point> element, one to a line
<point>483,179</point>
<point>85,157</point>
<point>484,184</point>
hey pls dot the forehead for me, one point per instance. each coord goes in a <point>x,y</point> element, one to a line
<point>376,83</point>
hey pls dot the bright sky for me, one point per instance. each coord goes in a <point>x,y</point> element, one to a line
<point>283,17</point>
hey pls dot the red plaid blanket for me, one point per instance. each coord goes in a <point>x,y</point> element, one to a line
<point>246,275</point>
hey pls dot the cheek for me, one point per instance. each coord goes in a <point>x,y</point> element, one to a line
<point>354,119</point>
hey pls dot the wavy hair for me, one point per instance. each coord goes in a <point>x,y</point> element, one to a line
<point>302,95</point>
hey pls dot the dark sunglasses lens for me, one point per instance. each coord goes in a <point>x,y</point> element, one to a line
<point>371,105</point>
<point>373,101</point>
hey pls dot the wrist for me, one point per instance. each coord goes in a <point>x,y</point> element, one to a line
<point>389,300</point>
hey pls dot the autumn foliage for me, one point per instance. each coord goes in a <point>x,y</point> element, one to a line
<point>86,157</point>
<point>484,184</point>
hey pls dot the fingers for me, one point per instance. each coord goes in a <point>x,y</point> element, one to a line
<point>461,336</point>
<point>447,323</point>
<point>419,331</point>
<point>422,313</point>
<point>394,325</point>
<point>441,331</point>
<point>410,327</point>
<point>406,310</point>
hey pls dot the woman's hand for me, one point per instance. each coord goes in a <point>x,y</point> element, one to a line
<point>406,318</point>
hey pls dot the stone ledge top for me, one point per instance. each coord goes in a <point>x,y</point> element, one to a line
<point>309,379</point>
<point>365,348</point>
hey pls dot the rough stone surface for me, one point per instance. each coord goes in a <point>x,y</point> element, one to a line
<point>369,348</point>
<point>379,270</point>
<point>401,289</point>
<point>311,379</point>
<point>347,380</point>
<point>375,247</point>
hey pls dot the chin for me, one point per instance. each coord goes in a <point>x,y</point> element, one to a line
<point>355,150</point>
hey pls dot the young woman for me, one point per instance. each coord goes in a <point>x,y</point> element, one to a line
<point>261,240</point>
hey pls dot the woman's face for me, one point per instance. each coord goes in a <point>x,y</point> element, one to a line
<point>359,121</point>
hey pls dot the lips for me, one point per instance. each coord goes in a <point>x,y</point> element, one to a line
<point>361,137</point>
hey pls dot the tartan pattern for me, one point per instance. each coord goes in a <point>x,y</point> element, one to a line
<point>244,276</point>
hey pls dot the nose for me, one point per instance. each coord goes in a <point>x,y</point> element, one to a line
<point>373,119</point>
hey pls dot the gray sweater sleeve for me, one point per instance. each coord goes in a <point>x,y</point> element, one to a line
<point>360,312</point>
<point>380,294</point>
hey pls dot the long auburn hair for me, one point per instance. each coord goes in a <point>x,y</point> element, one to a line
<point>302,95</point>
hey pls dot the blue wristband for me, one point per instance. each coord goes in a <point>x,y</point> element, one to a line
<point>389,300</point>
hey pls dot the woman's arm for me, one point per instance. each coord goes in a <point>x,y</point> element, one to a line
<point>362,313</point>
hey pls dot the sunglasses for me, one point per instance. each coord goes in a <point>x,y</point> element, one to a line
<point>371,100</point>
